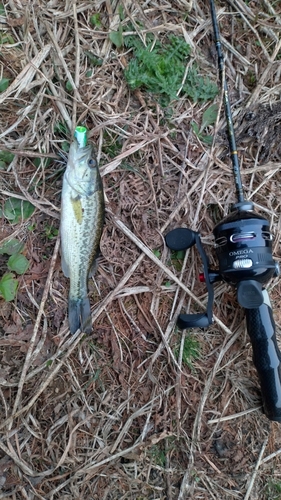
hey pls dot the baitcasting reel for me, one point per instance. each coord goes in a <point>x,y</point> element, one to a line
<point>243,244</point>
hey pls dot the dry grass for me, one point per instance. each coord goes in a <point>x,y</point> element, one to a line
<point>120,415</point>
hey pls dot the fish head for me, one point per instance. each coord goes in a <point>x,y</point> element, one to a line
<point>82,169</point>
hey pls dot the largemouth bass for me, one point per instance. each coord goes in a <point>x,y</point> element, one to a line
<point>82,218</point>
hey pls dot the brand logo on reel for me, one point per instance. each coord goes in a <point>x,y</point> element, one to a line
<point>240,252</point>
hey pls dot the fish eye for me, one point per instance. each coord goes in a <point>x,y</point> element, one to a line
<point>91,162</point>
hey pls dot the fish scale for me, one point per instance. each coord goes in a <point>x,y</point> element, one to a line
<point>82,218</point>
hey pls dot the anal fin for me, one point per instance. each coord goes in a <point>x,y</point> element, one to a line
<point>94,264</point>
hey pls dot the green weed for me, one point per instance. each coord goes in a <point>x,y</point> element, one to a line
<point>191,350</point>
<point>160,68</point>
<point>177,257</point>
<point>157,455</point>
<point>6,38</point>
<point>51,232</point>
<point>273,491</point>
<point>5,159</point>
<point>95,20</point>
<point>112,144</point>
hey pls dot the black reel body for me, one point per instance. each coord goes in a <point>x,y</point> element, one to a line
<point>243,244</point>
<point>244,250</point>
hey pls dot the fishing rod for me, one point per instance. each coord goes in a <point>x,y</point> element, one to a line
<point>243,245</point>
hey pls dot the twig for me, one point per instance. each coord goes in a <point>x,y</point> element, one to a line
<point>36,328</point>
<point>253,478</point>
<point>271,456</point>
<point>233,416</point>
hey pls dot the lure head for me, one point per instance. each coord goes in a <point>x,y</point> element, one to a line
<point>82,169</point>
<point>80,134</point>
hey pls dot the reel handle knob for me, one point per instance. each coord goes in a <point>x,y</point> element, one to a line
<point>266,356</point>
<point>180,238</point>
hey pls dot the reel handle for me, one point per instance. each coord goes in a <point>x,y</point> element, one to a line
<point>181,239</point>
<point>266,356</point>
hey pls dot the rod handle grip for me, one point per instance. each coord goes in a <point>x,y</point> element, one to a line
<point>266,356</point>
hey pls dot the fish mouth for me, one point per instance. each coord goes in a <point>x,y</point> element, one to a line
<point>82,153</point>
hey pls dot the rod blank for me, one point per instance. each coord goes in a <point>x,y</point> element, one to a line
<point>228,113</point>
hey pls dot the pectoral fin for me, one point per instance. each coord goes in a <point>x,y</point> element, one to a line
<point>77,208</point>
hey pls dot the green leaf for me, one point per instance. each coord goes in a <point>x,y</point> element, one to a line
<point>42,161</point>
<point>16,210</point>
<point>121,12</point>
<point>51,232</point>
<point>4,84</point>
<point>6,156</point>
<point>6,39</point>
<point>208,139</point>
<point>65,146</point>
<point>3,165</point>
<point>68,86</point>
<point>209,116</point>
<point>18,263</point>
<point>180,254</point>
<point>157,253</point>
<point>60,128</point>
<point>11,247</point>
<point>8,287</point>
<point>2,10</point>
<point>195,128</point>
<point>95,20</point>
<point>116,37</point>
<point>94,60</point>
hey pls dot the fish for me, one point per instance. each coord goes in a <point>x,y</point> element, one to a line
<point>81,226</point>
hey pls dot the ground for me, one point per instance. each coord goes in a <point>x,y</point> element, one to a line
<point>138,410</point>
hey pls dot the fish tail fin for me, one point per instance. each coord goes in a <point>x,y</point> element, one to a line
<point>79,315</point>
<point>74,314</point>
<point>86,317</point>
